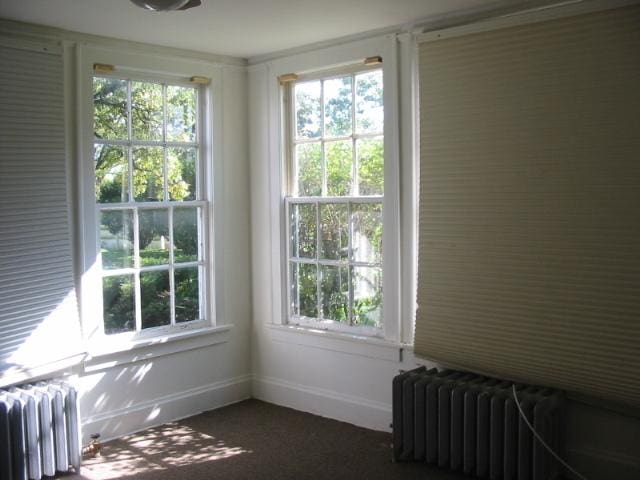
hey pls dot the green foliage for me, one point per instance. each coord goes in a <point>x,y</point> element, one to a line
<point>369,102</point>
<point>371,166</point>
<point>155,299</point>
<point>110,108</point>
<point>187,294</point>
<point>334,289</point>
<point>337,107</point>
<point>118,303</point>
<point>334,231</point>
<point>306,289</point>
<point>110,123</point>
<point>339,168</point>
<point>307,98</point>
<point>309,160</point>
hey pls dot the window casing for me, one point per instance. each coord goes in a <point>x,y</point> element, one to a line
<point>334,126</point>
<point>151,202</point>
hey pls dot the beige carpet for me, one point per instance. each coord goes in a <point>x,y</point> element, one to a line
<point>254,440</point>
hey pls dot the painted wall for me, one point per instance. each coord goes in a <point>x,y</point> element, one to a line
<point>128,391</point>
<point>162,383</point>
<point>344,378</point>
<point>350,379</point>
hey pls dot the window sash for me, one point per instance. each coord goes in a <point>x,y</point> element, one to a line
<point>129,144</point>
<point>292,141</point>
<point>349,263</point>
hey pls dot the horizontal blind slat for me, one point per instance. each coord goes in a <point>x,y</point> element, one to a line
<point>38,308</point>
<point>529,240</point>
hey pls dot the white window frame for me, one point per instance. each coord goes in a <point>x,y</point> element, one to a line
<point>323,61</point>
<point>159,69</point>
<point>292,197</point>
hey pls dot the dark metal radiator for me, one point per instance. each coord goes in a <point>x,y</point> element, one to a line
<point>470,423</point>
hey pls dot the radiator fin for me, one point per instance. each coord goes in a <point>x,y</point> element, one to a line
<point>470,423</point>
<point>39,431</point>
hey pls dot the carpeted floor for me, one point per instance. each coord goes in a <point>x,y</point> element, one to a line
<point>254,440</point>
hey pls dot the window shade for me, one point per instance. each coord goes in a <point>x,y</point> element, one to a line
<point>39,325</point>
<point>529,250</point>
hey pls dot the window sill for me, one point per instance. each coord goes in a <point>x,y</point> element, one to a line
<point>342,342</point>
<point>107,354</point>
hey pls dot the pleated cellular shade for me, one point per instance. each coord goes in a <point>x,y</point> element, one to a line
<point>529,227</point>
<point>39,325</point>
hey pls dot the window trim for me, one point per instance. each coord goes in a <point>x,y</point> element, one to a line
<point>159,69</point>
<point>321,61</point>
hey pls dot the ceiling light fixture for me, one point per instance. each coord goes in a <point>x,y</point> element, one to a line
<point>166,5</point>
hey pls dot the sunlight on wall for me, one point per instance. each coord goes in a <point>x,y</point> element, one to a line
<point>55,338</point>
<point>168,446</point>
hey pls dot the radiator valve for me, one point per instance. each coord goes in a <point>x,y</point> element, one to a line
<point>94,447</point>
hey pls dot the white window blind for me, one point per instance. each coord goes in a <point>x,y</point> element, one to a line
<point>39,325</point>
<point>529,251</point>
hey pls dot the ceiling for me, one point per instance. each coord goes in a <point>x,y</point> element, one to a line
<point>242,28</point>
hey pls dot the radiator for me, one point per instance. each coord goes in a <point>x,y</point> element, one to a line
<point>39,431</point>
<point>469,423</point>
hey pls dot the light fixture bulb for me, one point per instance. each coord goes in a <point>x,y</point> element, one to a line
<point>162,5</point>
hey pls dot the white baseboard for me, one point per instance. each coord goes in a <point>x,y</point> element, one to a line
<point>327,403</point>
<point>158,411</point>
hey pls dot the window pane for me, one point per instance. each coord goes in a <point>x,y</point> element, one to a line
<point>155,299</point>
<point>185,235</point>
<point>116,238</point>
<point>304,232</point>
<point>309,162</point>
<point>110,108</point>
<point>334,289</point>
<point>181,114</point>
<point>148,174</point>
<point>339,167</point>
<point>146,111</point>
<point>153,235</point>
<point>334,231</point>
<point>367,296</point>
<point>118,304</point>
<point>187,294</point>
<point>305,290</point>
<point>337,107</point>
<point>366,243</point>
<point>112,174</point>
<point>371,166</point>
<point>181,173</point>
<point>369,103</point>
<point>307,105</point>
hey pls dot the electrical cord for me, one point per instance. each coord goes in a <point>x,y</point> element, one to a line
<point>544,444</point>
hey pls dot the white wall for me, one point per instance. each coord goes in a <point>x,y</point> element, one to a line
<point>346,379</point>
<point>350,379</point>
<point>173,377</point>
<point>329,374</point>
<point>157,384</point>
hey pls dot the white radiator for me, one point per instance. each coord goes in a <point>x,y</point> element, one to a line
<point>39,431</point>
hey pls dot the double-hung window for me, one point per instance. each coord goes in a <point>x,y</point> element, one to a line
<point>335,138</point>
<point>151,208</point>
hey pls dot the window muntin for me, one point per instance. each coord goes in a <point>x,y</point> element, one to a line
<point>151,207</point>
<point>334,206</point>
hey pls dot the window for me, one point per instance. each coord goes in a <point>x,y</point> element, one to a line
<point>151,203</point>
<point>335,200</point>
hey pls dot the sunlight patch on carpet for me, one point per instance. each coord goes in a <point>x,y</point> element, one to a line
<point>168,446</point>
